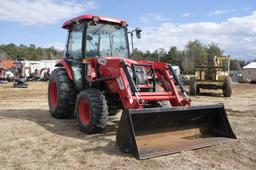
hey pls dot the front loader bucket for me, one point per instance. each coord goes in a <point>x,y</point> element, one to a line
<point>160,131</point>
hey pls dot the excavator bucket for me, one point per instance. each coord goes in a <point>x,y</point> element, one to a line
<point>152,132</point>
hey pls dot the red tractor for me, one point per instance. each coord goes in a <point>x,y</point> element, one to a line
<point>20,75</point>
<point>96,79</point>
<point>2,75</point>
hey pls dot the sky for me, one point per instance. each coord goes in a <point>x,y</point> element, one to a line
<point>164,23</point>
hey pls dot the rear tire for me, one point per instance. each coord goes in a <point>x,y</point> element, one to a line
<point>61,94</point>
<point>193,88</point>
<point>92,111</point>
<point>227,87</point>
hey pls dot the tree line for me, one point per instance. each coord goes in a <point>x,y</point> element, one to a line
<point>194,54</point>
<point>29,52</point>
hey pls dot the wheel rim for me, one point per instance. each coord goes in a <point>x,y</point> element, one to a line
<point>84,111</point>
<point>53,93</point>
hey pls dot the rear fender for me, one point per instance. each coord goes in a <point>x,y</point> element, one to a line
<point>74,73</point>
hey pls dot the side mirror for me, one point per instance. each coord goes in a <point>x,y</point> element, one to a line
<point>138,32</point>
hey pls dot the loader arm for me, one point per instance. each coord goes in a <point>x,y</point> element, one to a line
<point>150,132</point>
<point>121,80</point>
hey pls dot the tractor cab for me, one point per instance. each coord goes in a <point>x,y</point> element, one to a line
<point>93,36</point>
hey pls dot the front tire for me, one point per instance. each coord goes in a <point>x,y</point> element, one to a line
<point>227,87</point>
<point>92,111</point>
<point>61,94</point>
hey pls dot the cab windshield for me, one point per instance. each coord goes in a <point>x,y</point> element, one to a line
<point>106,40</point>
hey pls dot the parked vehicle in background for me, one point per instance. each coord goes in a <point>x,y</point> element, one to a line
<point>215,75</point>
<point>9,75</point>
<point>19,75</point>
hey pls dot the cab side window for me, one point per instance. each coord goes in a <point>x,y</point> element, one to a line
<point>74,50</point>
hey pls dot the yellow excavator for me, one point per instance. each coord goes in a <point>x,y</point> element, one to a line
<point>215,75</point>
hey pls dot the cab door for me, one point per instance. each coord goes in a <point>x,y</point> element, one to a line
<point>74,53</point>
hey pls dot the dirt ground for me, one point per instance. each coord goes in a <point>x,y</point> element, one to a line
<point>31,139</point>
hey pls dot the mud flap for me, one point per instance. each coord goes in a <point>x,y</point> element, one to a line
<point>154,132</point>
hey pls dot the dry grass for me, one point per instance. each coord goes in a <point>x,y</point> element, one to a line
<point>31,139</point>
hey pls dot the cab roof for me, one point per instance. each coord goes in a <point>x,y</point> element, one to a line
<point>68,24</point>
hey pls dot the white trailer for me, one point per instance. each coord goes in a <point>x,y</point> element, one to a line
<point>39,66</point>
